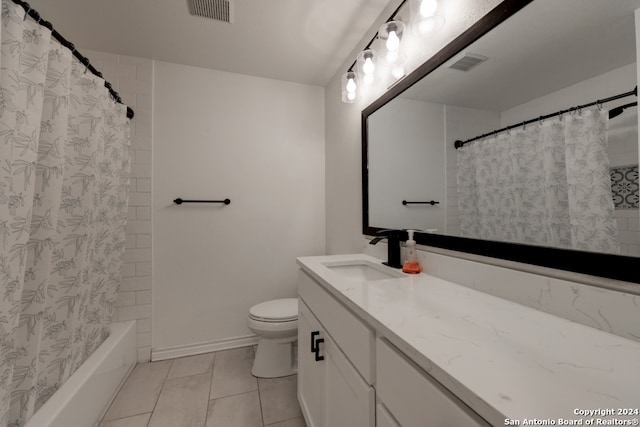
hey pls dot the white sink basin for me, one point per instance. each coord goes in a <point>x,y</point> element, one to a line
<point>363,270</point>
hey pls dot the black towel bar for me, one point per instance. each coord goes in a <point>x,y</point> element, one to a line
<point>180,201</point>
<point>431,202</point>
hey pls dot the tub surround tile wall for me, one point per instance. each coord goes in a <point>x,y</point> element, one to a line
<point>132,78</point>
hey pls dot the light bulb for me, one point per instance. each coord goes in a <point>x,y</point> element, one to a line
<point>351,86</point>
<point>368,66</point>
<point>428,7</point>
<point>397,71</point>
<point>351,96</point>
<point>393,42</point>
<point>429,25</point>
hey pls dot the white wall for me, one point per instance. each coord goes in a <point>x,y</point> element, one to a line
<point>406,162</point>
<point>258,142</point>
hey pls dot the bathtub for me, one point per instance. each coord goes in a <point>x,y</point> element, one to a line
<point>85,396</point>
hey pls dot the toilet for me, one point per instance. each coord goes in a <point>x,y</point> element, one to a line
<point>276,324</point>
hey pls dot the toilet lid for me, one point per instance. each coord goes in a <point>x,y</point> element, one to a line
<point>278,309</point>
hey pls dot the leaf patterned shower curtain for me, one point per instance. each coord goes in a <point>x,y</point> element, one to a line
<point>64,164</point>
<point>545,184</point>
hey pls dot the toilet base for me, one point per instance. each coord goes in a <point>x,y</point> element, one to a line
<point>275,358</point>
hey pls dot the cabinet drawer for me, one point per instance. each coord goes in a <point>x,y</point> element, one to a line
<point>355,339</point>
<point>423,402</point>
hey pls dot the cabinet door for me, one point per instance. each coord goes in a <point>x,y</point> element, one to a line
<point>349,400</point>
<point>311,382</point>
<point>384,418</point>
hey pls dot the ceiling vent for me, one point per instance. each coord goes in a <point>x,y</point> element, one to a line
<point>468,61</point>
<point>220,10</point>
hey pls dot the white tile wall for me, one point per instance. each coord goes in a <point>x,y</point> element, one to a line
<point>629,230</point>
<point>132,78</point>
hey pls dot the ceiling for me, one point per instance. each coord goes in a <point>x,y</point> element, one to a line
<point>546,46</point>
<point>304,41</point>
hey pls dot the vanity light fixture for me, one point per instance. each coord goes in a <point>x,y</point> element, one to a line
<point>363,70</point>
<point>424,20</point>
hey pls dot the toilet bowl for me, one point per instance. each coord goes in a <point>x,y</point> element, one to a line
<point>276,324</point>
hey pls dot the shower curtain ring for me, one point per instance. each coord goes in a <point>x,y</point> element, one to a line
<point>599,104</point>
<point>524,125</point>
<point>540,120</point>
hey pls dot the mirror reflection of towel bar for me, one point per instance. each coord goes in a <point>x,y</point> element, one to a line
<point>431,202</point>
<point>180,201</point>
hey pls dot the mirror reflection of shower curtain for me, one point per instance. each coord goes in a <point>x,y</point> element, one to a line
<point>544,184</point>
<point>64,163</point>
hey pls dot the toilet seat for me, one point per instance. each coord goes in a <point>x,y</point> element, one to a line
<point>276,311</point>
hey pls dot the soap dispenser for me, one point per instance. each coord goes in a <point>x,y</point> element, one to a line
<point>411,264</point>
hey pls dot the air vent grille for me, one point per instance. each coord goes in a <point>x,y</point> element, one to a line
<point>220,10</point>
<point>468,61</point>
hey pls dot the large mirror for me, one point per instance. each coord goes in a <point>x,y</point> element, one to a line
<point>557,190</point>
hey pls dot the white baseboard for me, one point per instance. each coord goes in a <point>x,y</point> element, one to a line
<point>203,347</point>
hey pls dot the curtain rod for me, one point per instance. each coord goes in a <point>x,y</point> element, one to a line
<point>459,144</point>
<point>83,59</point>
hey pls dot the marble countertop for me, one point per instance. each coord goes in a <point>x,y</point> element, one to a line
<point>508,362</point>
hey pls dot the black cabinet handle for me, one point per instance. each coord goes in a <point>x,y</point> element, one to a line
<point>315,345</point>
<point>318,357</point>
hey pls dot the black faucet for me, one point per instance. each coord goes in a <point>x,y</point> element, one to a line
<point>393,246</point>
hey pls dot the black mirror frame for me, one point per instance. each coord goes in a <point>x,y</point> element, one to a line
<point>618,267</point>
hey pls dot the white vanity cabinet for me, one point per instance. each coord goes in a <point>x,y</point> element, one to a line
<point>420,351</point>
<point>331,390</point>
<point>340,361</point>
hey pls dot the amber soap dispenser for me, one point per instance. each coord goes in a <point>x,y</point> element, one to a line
<point>411,264</point>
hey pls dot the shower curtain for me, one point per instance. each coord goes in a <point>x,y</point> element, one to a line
<point>544,184</point>
<point>64,162</point>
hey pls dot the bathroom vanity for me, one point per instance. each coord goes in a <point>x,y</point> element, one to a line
<point>381,348</point>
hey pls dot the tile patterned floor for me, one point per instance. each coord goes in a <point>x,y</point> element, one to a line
<point>207,390</point>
